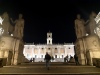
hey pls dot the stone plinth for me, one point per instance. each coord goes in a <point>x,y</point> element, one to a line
<point>17,51</point>
<point>80,50</point>
<point>88,48</point>
<point>92,48</point>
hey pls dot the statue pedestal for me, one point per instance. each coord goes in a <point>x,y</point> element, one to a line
<point>80,51</point>
<point>18,52</point>
<point>88,48</point>
<point>92,48</point>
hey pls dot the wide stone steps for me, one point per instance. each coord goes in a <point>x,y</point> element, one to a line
<point>55,69</point>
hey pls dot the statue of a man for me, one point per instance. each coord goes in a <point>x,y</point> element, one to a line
<point>79,27</point>
<point>19,26</point>
<point>92,23</point>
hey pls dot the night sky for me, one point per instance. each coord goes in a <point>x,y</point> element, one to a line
<point>54,16</point>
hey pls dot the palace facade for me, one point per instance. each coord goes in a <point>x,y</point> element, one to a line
<point>58,51</point>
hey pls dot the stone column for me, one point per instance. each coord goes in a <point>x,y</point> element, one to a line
<point>33,52</point>
<point>53,52</point>
<point>38,52</point>
<point>59,52</point>
<point>65,52</point>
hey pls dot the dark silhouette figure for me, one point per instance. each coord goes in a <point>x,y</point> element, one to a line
<point>76,59</point>
<point>71,57</point>
<point>47,59</point>
<point>67,58</point>
<point>52,58</point>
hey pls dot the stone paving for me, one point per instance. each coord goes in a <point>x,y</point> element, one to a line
<point>55,69</point>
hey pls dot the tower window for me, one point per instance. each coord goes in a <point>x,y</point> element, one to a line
<point>49,35</point>
<point>49,41</point>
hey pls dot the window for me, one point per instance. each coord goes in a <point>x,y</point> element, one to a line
<point>49,41</point>
<point>35,56</point>
<point>55,56</point>
<point>41,56</point>
<point>62,56</point>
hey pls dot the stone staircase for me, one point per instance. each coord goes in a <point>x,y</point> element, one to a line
<point>56,68</point>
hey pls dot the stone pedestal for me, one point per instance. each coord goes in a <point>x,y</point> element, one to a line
<point>92,48</point>
<point>17,52</point>
<point>18,56</point>
<point>88,48</point>
<point>80,51</point>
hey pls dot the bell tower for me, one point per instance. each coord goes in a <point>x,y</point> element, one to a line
<point>49,38</point>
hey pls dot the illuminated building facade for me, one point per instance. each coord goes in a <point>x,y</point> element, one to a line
<point>58,51</point>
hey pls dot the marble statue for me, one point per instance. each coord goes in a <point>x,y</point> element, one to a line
<point>79,27</point>
<point>19,26</point>
<point>91,23</point>
<point>5,23</point>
